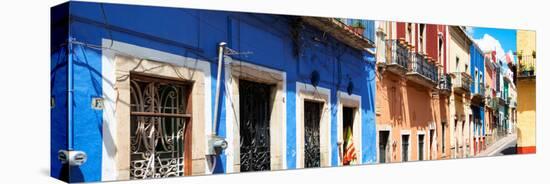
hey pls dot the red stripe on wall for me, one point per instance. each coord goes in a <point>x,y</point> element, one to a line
<point>527,150</point>
<point>400,30</point>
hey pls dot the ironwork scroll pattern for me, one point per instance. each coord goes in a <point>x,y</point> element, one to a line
<point>156,142</point>
<point>312,151</point>
<point>255,111</point>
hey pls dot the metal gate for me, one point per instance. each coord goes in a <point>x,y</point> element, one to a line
<point>157,127</point>
<point>312,146</point>
<point>255,113</point>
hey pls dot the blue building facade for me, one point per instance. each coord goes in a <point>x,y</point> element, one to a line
<point>477,71</point>
<point>90,38</point>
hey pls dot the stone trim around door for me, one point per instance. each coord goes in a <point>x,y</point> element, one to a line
<point>354,101</point>
<point>118,60</point>
<point>379,128</point>
<point>236,70</point>
<point>318,94</point>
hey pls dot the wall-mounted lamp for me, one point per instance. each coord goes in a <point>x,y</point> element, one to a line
<point>314,78</point>
<point>350,87</point>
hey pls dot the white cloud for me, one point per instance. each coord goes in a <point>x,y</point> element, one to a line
<point>470,31</point>
<point>489,43</point>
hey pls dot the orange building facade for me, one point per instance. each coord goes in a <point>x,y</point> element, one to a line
<point>412,92</point>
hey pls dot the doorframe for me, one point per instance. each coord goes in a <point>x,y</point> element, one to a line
<point>236,70</point>
<point>319,94</point>
<point>118,60</point>
<point>354,101</point>
<point>423,149</point>
<point>390,153</point>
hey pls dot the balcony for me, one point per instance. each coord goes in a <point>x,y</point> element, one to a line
<point>422,71</point>
<point>502,99</point>
<point>462,82</point>
<point>526,67</point>
<point>492,103</point>
<point>478,93</point>
<point>445,84</point>
<point>343,32</point>
<point>398,57</point>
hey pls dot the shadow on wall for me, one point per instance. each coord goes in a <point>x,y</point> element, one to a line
<point>395,99</point>
<point>419,106</point>
<point>71,174</point>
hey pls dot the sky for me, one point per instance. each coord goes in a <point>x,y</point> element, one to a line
<point>488,39</point>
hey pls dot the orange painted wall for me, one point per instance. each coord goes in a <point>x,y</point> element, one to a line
<point>405,106</point>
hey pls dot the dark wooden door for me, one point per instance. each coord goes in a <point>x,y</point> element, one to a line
<point>383,145</point>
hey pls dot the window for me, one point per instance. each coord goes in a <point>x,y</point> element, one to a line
<point>430,149</point>
<point>421,147</point>
<point>255,114</point>
<point>312,120</point>
<point>409,32</point>
<point>158,121</point>
<point>457,63</point>
<point>476,80</point>
<point>440,54</point>
<point>443,137</point>
<point>404,148</point>
<point>421,38</point>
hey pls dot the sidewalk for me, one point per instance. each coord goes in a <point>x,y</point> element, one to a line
<point>498,146</point>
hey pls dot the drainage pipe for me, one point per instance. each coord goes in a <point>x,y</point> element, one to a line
<point>221,48</point>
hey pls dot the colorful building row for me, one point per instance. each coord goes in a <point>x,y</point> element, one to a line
<point>438,94</point>
<point>194,92</point>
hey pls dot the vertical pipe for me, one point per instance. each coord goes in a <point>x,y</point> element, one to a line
<point>70,95</point>
<point>218,82</point>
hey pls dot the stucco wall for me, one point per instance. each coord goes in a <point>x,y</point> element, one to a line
<point>406,108</point>
<point>268,39</point>
<point>526,113</point>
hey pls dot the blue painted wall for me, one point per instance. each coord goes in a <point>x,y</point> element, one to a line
<point>196,33</point>
<point>58,88</point>
<point>477,61</point>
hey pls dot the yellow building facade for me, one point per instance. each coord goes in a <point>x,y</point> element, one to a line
<point>526,94</point>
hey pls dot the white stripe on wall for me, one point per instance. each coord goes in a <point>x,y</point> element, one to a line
<point>110,49</point>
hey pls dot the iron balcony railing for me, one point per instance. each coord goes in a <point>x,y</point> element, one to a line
<point>445,82</point>
<point>359,36</point>
<point>462,81</point>
<point>480,89</point>
<point>527,66</point>
<point>421,65</point>
<point>399,54</point>
<point>492,102</point>
<point>367,25</point>
<point>502,97</point>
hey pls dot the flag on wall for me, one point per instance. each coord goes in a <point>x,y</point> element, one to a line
<point>349,152</point>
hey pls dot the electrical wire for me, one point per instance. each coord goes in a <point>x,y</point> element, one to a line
<point>106,23</point>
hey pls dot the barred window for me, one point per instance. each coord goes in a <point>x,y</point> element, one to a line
<point>158,120</point>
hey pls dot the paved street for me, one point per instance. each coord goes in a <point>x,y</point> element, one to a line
<point>505,146</point>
